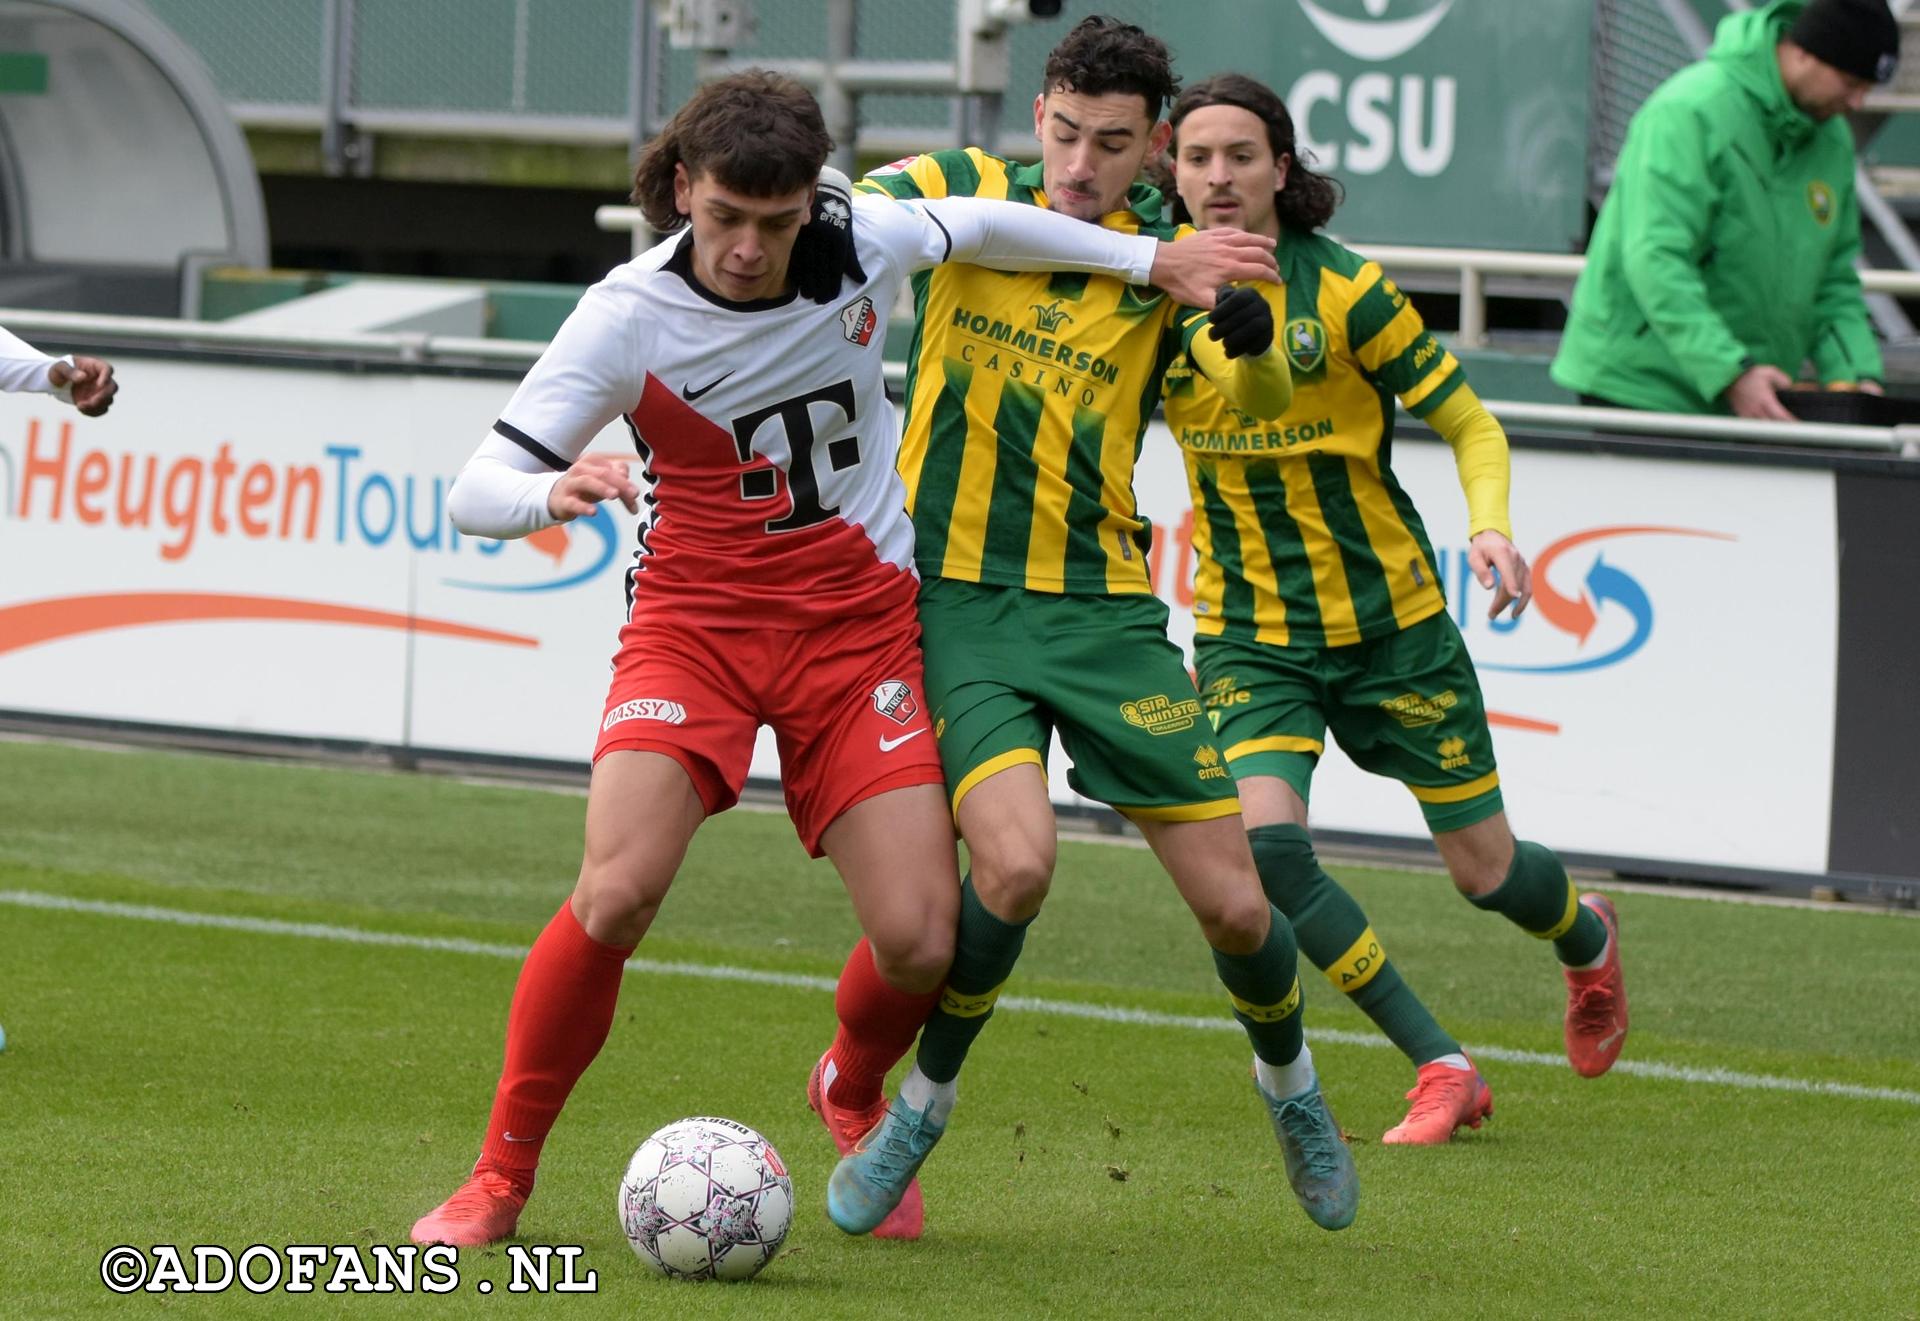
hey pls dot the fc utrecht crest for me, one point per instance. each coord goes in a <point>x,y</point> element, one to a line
<point>858,322</point>
<point>895,701</point>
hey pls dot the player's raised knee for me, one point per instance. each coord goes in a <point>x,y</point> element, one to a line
<point>614,911</point>
<point>915,962</point>
<point>1014,883</point>
<point>1236,923</point>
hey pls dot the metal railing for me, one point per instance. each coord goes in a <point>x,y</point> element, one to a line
<point>1471,265</point>
<point>1474,265</point>
<point>104,333</point>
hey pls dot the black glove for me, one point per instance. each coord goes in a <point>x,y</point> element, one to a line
<point>1242,322</point>
<point>823,254</point>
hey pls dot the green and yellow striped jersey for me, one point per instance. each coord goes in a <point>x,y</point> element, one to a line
<point>1027,397</point>
<point>1301,535</point>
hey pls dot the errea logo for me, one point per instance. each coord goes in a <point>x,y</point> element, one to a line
<point>834,211</point>
<point>1376,37</point>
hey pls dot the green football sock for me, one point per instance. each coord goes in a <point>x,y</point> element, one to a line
<point>1265,991</point>
<point>1334,933</point>
<point>1538,897</point>
<point>985,950</point>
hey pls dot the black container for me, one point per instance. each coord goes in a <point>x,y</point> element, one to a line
<point>1854,407</point>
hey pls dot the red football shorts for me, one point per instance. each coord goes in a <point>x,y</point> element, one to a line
<point>844,700</point>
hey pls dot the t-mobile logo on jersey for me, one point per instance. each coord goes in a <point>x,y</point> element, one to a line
<point>645,708</point>
<point>803,483</point>
<point>858,321</point>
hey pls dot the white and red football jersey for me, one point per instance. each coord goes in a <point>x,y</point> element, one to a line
<point>764,427</point>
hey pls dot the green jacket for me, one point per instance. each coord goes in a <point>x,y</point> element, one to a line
<point>1729,234</point>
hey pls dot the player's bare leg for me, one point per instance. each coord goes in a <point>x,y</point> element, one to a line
<point>1255,955</point>
<point>1012,851</point>
<point>642,810</point>
<point>1336,936</point>
<point>895,854</point>
<point>1526,884</point>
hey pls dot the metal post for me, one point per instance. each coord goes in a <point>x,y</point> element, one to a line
<point>838,105</point>
<point>1887,314</point>
<point>980,120</point>
<point>336,84</point>
<point>642,73</point>
<point>1473,309</point>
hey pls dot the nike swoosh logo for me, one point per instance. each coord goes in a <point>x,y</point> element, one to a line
<point>690,394</point>
<point>511,1138</point>
<point>1609,1039</point>
<point>889,744</point>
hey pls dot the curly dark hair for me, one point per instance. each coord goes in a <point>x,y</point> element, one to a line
<point>1102,55</point>
<point>1309,200</point>
<point>756,132</point>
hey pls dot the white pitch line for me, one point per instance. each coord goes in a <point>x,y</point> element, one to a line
<point>1028,1004</point>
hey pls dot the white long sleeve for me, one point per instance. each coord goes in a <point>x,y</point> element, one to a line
<point>25,368</point>
<point>502,492</point>
<point>1012,236</point>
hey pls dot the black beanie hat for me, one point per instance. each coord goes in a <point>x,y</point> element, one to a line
<point>1859,37</point>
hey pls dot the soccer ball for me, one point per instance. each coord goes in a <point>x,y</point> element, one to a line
<point>706,1199</point>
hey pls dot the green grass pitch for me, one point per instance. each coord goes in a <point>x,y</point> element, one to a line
<point>183,1084</point>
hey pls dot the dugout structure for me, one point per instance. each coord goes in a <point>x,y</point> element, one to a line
<point>122,171</point>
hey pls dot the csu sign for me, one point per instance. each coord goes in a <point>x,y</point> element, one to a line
<point>1451,122</point>
<point>1423,128</point>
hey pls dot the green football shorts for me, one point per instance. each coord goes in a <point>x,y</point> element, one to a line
<point>1406,706</point>
<point>1007,667</point>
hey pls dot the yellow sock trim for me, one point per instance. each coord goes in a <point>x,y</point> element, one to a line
<point>1356,967</point>
<point>1565,924</point>
<point>968,1006</point>
<point>1269,1013</point>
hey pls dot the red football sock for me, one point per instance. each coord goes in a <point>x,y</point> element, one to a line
<point>877,1024</point>
<point>562,1009</point>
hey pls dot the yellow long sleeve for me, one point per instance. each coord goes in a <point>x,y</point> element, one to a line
<point>1262,385</point>
<point>1480,453</point>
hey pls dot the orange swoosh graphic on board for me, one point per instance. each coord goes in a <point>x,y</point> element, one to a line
<point>35,622</point>
<point>553,542</point>
<point>1528,723</point>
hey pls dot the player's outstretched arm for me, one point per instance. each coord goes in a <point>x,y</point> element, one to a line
<point>593,478</point>
<point>89,381</point>
<point>1498,564</point>
<point>1012,236</point>
<point>1233,346</point>
<point>1190,269</point>
<point>86,383</point>
<point>504,493</point>
<point>1481,456</point>
<point>532,470</point>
